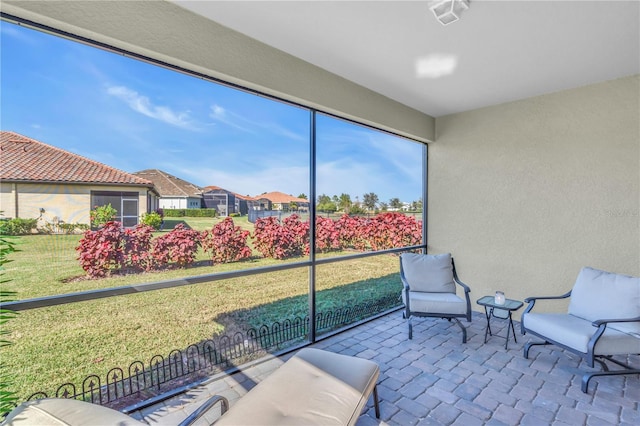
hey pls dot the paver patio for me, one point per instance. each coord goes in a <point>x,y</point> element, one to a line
<point>434,379</point>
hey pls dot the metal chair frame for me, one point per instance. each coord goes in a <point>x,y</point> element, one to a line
<point>599,328</point>
<point>408,313</point>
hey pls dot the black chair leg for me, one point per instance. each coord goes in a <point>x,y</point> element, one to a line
<point>587,377</point>
<point>464,330</point>
<point>528,345</point>
<point>376,402</point>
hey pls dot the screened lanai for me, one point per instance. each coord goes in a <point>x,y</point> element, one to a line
<point>523,122</point>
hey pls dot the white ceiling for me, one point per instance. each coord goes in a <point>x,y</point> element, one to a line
<point>497,52</point>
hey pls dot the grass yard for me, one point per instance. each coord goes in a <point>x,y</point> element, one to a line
<point>68,342</point>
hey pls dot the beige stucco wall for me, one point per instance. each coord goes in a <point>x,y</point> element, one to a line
<point>69,203</point>
<point>7,200</point>
<point>166,32</point>
<point>526,193</point>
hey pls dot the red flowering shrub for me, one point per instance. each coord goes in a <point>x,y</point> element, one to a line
<point>353,231</point>
<point>226,242</point>
<point>137,247</point>
<point>327,234</point>
<point>275,240</point>
<point>180,246</point>
<point>100,251</point>
<point>300,231</point>
<point>391,230</point>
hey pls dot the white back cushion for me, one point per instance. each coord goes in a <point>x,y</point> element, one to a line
<point>605,295</point>
<point>431,273</point>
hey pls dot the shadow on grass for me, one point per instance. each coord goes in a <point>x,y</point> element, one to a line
<point>349,295</point>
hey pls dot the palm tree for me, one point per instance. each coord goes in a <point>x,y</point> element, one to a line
<point>344,202</point>
<point>395,203</point>
<point>370,200</point>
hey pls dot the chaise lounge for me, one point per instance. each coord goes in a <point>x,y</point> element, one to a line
<point>314,387</point>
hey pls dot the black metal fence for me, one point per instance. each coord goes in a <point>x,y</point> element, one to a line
<point>221,353</point>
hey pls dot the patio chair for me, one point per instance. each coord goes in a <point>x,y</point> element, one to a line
<point>603,320</point>
<point>430,289</point>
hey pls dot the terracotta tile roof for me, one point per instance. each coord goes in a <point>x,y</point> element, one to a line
<point>217,188</point>
<point>23,159</point>
<point>281,197</point>
<point>169,185</point>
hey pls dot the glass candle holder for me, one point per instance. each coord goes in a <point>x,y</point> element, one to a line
<point>499,298</point>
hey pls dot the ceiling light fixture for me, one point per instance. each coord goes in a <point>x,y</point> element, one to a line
<point>448,11</point>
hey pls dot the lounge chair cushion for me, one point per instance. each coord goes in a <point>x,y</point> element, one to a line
<point>429,273</point>
<point>58,411</point>
<point>575,332</point>
<point>604,295</point>
<point>314,387</point>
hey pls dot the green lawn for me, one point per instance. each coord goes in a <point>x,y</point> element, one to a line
<point>68,342</point>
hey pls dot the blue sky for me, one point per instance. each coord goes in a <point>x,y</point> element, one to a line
<point>133,116</point>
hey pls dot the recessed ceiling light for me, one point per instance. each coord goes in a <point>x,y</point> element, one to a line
<point>436,65</point>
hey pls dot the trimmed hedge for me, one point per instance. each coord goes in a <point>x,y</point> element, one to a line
<point>17,226</point>
<point>190,212</point>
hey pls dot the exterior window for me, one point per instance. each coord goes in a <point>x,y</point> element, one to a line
<point>278,170</point>
<point>125,203</point>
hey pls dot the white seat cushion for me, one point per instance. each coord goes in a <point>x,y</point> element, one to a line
<point>575,332</point>
<point>441,303</point>
<point>314,387</point>
<point>66,412</point>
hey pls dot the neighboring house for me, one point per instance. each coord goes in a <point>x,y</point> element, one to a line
<point>228,202</point>
<point>175,193</point>
<point>285,202</point>
<point>41,181</point>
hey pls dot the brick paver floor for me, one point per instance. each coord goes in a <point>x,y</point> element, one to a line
<point>434,379</point>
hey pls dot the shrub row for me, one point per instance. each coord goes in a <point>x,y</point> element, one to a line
<point>190,212</point>
<point>112,247</point>
<point>19,226</point>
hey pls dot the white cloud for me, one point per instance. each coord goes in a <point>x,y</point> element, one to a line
<point>334,178</point>
<point>221,115</point>
<point>290,180</point>
<point>143,105</point>
<point>403,157</point>
<point>10,30</point>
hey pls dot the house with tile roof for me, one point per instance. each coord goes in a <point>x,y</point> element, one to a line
<point>228,202</point>
<point>285,202</point>
<point>175,193</point>
<point>45,182</point>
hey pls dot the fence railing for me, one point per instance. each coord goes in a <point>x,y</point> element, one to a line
<point>209,355</point>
